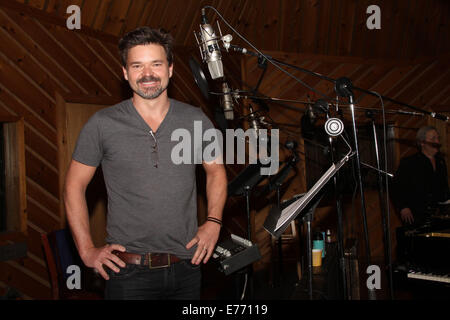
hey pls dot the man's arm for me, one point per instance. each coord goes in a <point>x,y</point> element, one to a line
<point>401,191</point>
<point>77,179</point>
<point>216,188</point>
<point>216,193</point>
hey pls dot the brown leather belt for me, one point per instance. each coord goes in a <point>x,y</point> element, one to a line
<point>152,260</point>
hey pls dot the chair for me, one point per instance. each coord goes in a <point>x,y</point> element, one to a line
<point>60,252</point>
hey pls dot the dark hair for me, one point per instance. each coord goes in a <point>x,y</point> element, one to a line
<point>143,36</point>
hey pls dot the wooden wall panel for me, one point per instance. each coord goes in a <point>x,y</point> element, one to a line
<point>15,32</point>
<point>38,143</point>
<point>41,217</point>
<point>24,280</point>
<point>31,67</point>
<point>89,61</point>
<point>43,196</point>
<point>42,174</point>
<point>108,60</point>
<point>12,102</point>
<point>31,95</point>
<point>409,28</point>
<point>90,12</point>
<point>116,16</point>
<point>34,243</point>
<point>39,59</point>
<point>133,16</point>
<point>70,65</point>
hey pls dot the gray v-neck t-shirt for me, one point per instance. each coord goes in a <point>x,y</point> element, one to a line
<point>152,201</point>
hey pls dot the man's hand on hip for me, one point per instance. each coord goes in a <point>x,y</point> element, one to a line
<point>98,257</point>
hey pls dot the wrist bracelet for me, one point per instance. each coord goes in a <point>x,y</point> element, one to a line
<point>214,220</point>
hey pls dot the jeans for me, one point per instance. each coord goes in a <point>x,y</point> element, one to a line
<point>180,281</point>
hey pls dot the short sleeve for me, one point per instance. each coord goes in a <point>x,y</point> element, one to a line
<point>88,149</point>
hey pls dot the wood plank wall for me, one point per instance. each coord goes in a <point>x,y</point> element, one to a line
<point>39,57</point>
<point>409,28</point>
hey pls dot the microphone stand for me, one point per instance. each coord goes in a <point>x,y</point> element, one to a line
<point>242,185</point>
<point>260,56</point>
<point>249,269</point>
<point>280,243</point>
<point>277,182</point>
<point>308,218</point>
<point>343,87</point>
<point>384,217</point>
<point>340,241</point>
<point>423,111</point>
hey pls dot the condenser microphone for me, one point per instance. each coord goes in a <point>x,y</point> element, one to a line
<point>227,102</point>
<point>310,114</point>
<point>209,48</point>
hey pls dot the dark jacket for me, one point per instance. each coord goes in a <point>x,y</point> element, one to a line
<point>418,187</point>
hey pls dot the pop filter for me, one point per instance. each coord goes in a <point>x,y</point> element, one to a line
<point>199,77</point>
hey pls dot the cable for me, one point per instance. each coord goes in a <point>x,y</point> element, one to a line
<point>355,190</point>
<point>266,57</point>
<point>245,288</point>
<point>262,97</point>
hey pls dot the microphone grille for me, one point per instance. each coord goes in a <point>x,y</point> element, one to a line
<point>215,69</point>
<point>229,114</point>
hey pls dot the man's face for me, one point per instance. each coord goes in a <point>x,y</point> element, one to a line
<point>148,71</point>
<point>430,137</point>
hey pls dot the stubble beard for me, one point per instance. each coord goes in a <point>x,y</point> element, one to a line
<point>152,92</point>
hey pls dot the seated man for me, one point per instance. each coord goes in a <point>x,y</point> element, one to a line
<point>421,180</point>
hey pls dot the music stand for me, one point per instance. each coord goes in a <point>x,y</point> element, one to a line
<point>276,182</point>
<point>278,220</point>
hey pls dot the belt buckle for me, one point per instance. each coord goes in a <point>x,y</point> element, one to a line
<point>158,267</point>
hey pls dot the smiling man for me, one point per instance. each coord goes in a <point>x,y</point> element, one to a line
<point>154,245</point>
<point>146,71</point>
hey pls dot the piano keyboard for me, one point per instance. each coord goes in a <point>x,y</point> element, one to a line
<point>429,277</point>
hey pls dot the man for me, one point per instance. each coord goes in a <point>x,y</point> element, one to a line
<point>154,243</point>
<point>421,180</point>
